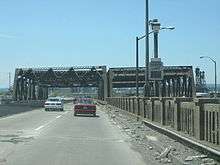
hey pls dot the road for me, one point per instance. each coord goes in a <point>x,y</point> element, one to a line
<point>58,138</point>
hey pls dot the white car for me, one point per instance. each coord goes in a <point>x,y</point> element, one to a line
<point>54,103</point>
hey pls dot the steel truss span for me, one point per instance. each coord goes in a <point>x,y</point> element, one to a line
<point>178,81</point>
<point>33,83</point>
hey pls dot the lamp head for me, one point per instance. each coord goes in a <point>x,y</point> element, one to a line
<point>171,28</point>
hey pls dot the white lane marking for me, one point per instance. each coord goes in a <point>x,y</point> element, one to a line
<point>58,116</point>
<point>42,126</point>
<point>38,128</point>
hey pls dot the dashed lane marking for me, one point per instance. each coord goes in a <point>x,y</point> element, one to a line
<point>42,126</point>
<point>58,116</point>
<point>38,128</point>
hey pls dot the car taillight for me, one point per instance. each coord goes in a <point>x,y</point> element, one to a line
<point>77,106</point>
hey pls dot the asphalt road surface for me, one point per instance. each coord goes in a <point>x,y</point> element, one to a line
<point>59,138</point>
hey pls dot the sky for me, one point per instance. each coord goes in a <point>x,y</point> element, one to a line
<point>47,33</point>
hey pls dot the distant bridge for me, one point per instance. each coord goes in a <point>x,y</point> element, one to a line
<point>33,83</point>
<point>177,81</point>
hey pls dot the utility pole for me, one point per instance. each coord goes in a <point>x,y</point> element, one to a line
<point>146,94</point>
<point>137,68</point>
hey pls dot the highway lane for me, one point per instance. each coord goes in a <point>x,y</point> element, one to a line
<point>58,138</point>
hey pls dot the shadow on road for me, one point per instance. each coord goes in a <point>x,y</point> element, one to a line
<point>84,115</point>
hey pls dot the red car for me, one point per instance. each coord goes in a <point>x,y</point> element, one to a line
<point>85,106</point>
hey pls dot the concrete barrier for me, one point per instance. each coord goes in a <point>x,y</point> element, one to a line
<point>169,112</point>
<point>31,103</point>
<point>6,110</point>
<point>212,123</point>
<point>198,118</point>
<point>156,110</point>
<point>148,108</point>
<point>141,107</point>
<point>19,106</point>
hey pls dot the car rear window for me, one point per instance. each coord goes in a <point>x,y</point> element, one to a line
<point>57,100</point>
<point>85,101</point>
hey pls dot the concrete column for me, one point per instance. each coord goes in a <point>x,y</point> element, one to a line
<point>177,109</point>
<point>173,87</point>
<point>129,105</point>
<point>138,106</point>
<point>141,107</point>
<point>169,90</point>
<point>15,85</point>
<point>33,92</point>
<point>157,88</point>
<point>16,88</point>
<point>178,89</point>
<point>20,89</point>
<point>164,88</point>
<point>152,117</point>
<point>184,86</point>
<point>200,120</point>
<point>26,90</point>
<point>110,85</point>
<point>134,106</point>
<point>105,82</point>
<point>164,116</point>
<point>190,87</point>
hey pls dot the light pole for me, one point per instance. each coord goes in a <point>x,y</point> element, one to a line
<point>137,67</point>
<point>215,72</point>
<point>146,90</point>
<point>137,57</point>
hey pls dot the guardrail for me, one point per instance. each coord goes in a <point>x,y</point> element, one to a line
<point>198,118</point>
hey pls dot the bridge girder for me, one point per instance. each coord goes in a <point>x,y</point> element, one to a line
<point>177,81</point>
<point>33,83</point>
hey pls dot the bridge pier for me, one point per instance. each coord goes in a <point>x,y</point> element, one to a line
<point>110,81</point>
<point>104,83</point>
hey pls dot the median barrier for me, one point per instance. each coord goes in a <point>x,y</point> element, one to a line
<point>15,107</point>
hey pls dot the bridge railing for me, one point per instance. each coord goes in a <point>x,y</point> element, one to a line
<point>198,118</point>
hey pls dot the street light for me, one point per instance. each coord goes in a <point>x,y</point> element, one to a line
<point>156,27</point>
<point>146,92</point>
<point>137,55</point>
<point>215,72</point>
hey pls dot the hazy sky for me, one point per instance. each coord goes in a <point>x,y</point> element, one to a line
<point>42,33</point>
